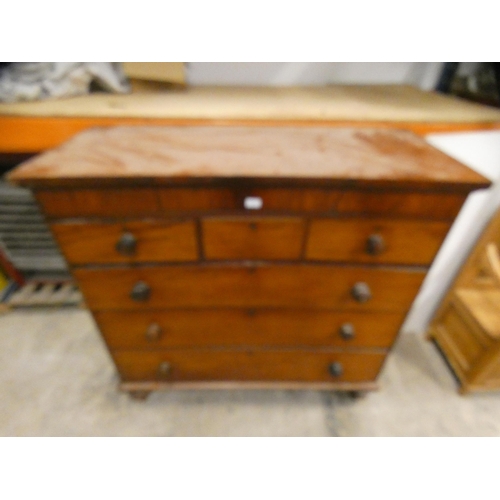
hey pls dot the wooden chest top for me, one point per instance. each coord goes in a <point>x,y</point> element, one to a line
<point>187,155</point>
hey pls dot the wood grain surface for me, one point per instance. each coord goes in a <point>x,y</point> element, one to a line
<point>84,242</point>
<point>482,307</point>
<point>246,327</point>
<point>118,202</point>
<point>428,205</point>
<point>187,153</point>
<point>291,286</point>
<point>467,347</point>
<point>134,202</point>
<point>231,365</point>
<point>232,197</point>
<point>253,238</point>
<point>398,104</point>
<point>403,241</point>
<point>29,135</point>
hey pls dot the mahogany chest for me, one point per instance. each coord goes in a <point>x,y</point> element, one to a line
<point>248,256</point>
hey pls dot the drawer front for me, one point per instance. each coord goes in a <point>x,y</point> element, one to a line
<point>298,286</point>
<point>292,365</point>
<point>375,240</point>
<point>133,202</point>
<point>246,327</point>
<point>115,202</point>
<point>458,337</point>
<point>440,206</point>
<point>249,199</point>
<point>139,241</point>
<point>253,238</point>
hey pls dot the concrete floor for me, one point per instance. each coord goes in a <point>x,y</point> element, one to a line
<point>56,379</point>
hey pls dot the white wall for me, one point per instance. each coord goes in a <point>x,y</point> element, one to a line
<point>481,152</point>
<point>420,74</point>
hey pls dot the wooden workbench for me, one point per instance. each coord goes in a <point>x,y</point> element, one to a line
<point>37,126</point>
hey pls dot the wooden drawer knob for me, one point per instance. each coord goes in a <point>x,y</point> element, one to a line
<point>127,244</point>
<point>347,331</point>
<point>164,369</point>
<point>336,369</point>
<point>375,244</point>
<point>153,332</point>
<point>140,292</point>
<point>361,292</point>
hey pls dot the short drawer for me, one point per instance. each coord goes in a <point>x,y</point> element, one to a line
<point>253,238</point>
<point>240,365</point>
<point>375,240</point>
<point>133,241</point>
<point>246,327</point>
<point>290,286</point>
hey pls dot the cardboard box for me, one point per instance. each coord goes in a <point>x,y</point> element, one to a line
<point>165,72</point>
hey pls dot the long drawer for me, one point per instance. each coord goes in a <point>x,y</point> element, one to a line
<point>113,202</point>
<point>290,286</point>
<point>246,327</point>
<point>121,202</point>
<point>241,365</point>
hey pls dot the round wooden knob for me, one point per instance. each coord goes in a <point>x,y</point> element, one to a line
<point>347,331</point>
<point>164,369</point>
<point>140,292</point>
<point>127,244</point>
<point>153,332</point>
<point>375,244</point>
<point>361,292</point>
<point>336,369</point>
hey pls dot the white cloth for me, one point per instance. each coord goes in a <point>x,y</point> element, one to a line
<point>41,80</point>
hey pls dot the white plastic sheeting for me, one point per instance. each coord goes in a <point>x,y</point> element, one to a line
<point>423,75</point>
<point>42,80</point>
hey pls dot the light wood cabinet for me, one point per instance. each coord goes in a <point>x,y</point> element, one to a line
<point>466,327</point>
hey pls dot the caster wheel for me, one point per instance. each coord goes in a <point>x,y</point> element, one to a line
<point>139,395</point>
<point>356,394</point>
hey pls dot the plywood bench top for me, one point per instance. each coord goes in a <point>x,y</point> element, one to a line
<point>398,103</point>
<point>36,126</point>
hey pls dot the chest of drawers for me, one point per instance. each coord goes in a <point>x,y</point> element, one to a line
<point>248,257</point>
